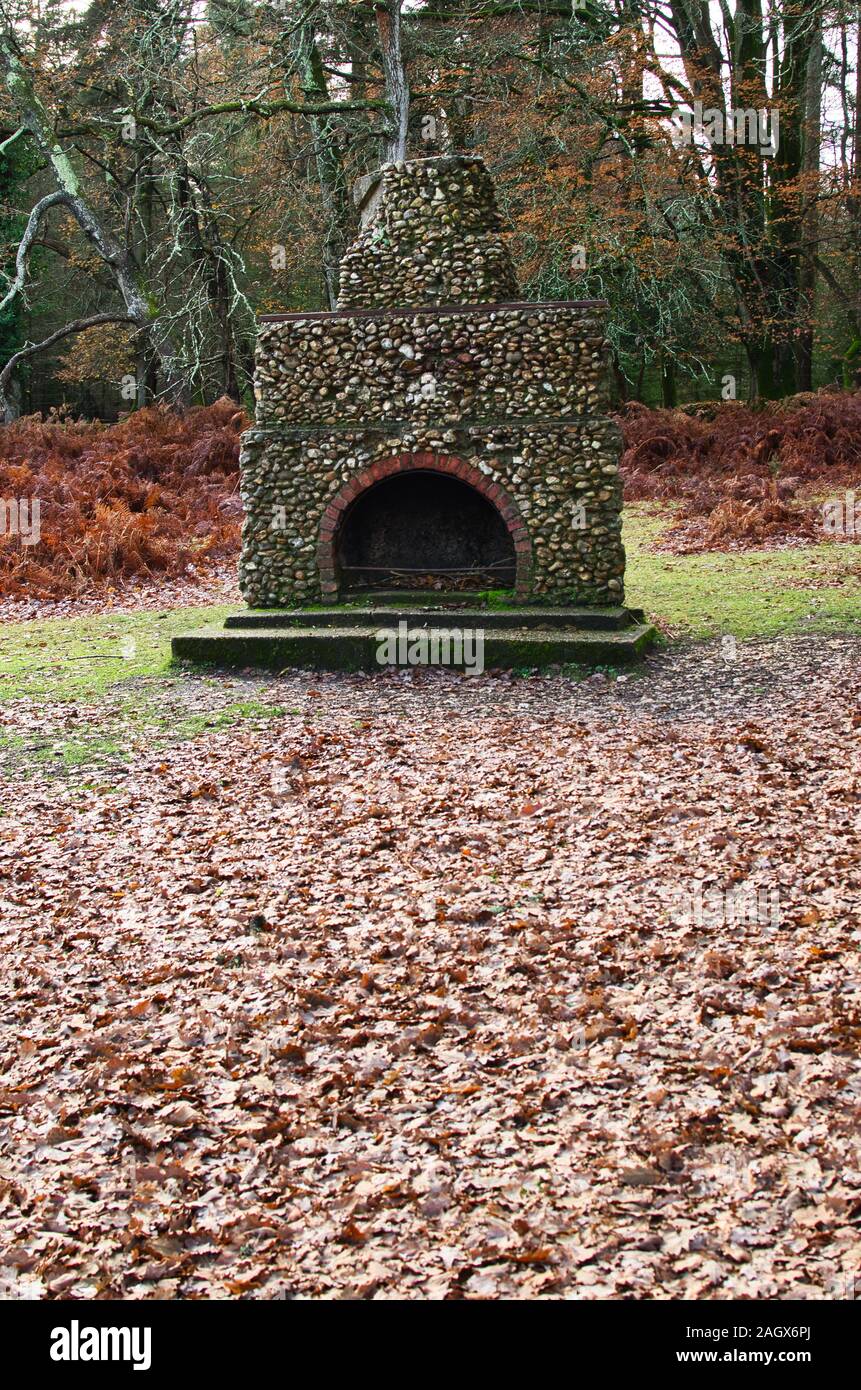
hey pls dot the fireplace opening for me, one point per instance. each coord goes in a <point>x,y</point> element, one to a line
<point>424,530</point>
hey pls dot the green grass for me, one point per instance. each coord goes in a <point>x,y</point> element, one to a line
<point>84,658</point>
<point>763,593</point>
<point>121,662</point>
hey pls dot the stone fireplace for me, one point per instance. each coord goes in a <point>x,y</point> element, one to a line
<point>421,518</point>
<point>434,432</point>
<point>435,446</point>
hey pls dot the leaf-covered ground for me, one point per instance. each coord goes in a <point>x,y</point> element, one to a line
<point>401,991</point>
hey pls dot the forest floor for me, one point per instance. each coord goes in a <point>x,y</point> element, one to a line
<point>422,985</point>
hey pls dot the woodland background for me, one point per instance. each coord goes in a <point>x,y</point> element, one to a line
<point>200,157</point>
<point>169,170</point>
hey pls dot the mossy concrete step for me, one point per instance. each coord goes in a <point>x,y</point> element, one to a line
<point>390,615</point>
<point>356,648</point>
<point>424,598</point>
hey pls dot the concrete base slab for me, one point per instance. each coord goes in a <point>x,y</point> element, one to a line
<point>349,639</point>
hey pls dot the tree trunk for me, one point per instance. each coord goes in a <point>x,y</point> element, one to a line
<point>810,191</point>
<point>397,89</point>
<point>757,197</point>
<point>855,199</point>
<point>618,376</point>
<point>330,169</point>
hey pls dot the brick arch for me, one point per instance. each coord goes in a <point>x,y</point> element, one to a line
<point>424,462</point>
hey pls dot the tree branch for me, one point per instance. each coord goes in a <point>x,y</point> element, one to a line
<point>30,349</point>
<point>26,244</point>
<point>266,109</point>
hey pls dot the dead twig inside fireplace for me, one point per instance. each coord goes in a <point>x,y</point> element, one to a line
<point>499,573</point>
<point>425,569</point>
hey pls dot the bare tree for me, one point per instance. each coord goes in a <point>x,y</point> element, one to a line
<point>35,120</point>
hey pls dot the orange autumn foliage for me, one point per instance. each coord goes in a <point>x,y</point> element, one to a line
<point>155,494</point>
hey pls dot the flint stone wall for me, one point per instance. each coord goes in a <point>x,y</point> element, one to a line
<point>514,391</point>
<point>513,394</point>
<point>433,238</point>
